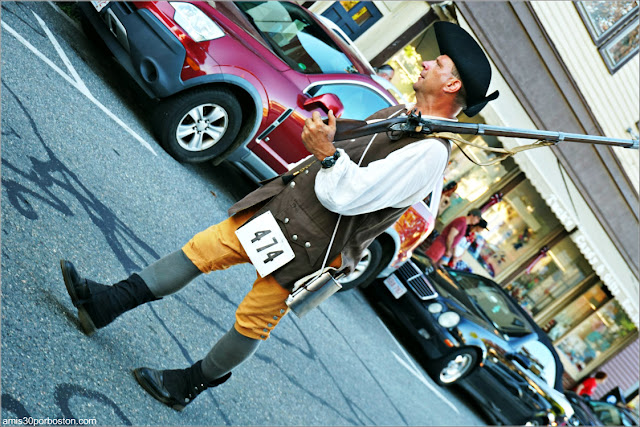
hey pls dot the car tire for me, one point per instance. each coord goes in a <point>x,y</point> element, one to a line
<point>366,270</point>
<point>198,125</point>
<point>453,367</point>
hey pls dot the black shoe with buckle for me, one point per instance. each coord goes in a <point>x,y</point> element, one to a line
<point>98,304</point>
<point>80,295</point>
<point>176,388</point>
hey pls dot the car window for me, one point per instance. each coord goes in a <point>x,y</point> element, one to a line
<point>495,304</point>
<point>351,46</point>
<point>359,101</point>
<point>296,38</point>
<point>391,88</point>
<point>606,413</point>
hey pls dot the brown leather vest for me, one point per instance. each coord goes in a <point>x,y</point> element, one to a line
<point>308,225</point>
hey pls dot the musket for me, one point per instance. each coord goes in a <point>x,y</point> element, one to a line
<point>416,126</point>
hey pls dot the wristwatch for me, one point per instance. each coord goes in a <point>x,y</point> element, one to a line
<point>330,161</point>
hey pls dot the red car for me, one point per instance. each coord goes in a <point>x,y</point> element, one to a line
<point>236,79</point>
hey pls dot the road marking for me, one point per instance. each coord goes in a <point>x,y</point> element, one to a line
<point>77,84</point>
<point>80,84</point>
<point>407,362</point>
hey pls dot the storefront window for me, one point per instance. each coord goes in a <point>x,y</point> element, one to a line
<point>621,48</point>
<point>613,26</point>
<point>602,17</point>
<point>353,17</point>
<point>586,346</point>
<point>577,311</point>
<point>348,5</point>
<point>552,273</point>
<point>517,226</point>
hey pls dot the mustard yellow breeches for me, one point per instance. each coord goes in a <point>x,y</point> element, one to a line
<point>218,248</point>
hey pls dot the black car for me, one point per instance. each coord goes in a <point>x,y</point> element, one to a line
<point>475,335</point>
<point>613,415</point>
<point>598,413</point>
<point>583,412</point>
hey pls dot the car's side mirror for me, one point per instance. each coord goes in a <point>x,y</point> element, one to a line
<point>326,102</point>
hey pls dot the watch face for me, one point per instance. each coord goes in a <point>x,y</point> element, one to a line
<point>328,162</point>
<point>331,160</point>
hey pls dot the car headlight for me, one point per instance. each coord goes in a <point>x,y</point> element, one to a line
<point>195,22</point>
<point>449,319</point>
<point>435,308</point>
<point>552,419</point>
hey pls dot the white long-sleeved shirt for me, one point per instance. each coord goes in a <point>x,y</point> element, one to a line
<point>403,178</point>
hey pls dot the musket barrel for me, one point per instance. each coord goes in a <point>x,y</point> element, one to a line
<point>354,128</point>
<point>482,129</point>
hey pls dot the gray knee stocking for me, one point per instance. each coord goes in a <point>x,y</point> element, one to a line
<point>230,351</point>
<point>169,274</point>
<point>172,273</point>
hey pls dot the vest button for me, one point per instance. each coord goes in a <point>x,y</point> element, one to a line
<point>306,171</point>
<point>265,330</point>
<point>286,220</point>
<point>262,336</point>
<point>307,245</point>
<point>294,237</point>
<point>282,310</point>
<point>275,317</point>
<point>269,325</point>
<point>293,184</point>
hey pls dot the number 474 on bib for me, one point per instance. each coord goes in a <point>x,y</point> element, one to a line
<point>265,244</point>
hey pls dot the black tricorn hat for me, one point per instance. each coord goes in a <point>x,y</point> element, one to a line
<point>471,62</point>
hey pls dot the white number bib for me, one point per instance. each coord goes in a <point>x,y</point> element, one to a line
<point>265,244</point>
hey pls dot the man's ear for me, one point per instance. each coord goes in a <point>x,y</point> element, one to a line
<point>453,85</point>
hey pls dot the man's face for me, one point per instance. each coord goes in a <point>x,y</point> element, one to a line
<point>435,75</point>
<point>387,75</point>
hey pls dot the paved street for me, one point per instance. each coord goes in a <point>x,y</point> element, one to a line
<point>84,179</point>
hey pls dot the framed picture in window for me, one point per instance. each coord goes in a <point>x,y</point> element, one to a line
<point>604,18</point>
<point>620,48</point>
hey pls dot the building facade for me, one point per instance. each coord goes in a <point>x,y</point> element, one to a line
<point>563,221</point>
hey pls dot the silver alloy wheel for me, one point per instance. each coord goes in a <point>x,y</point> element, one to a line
<point>202,127</point>
<point>359,269</point>
<point>456,368</point>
